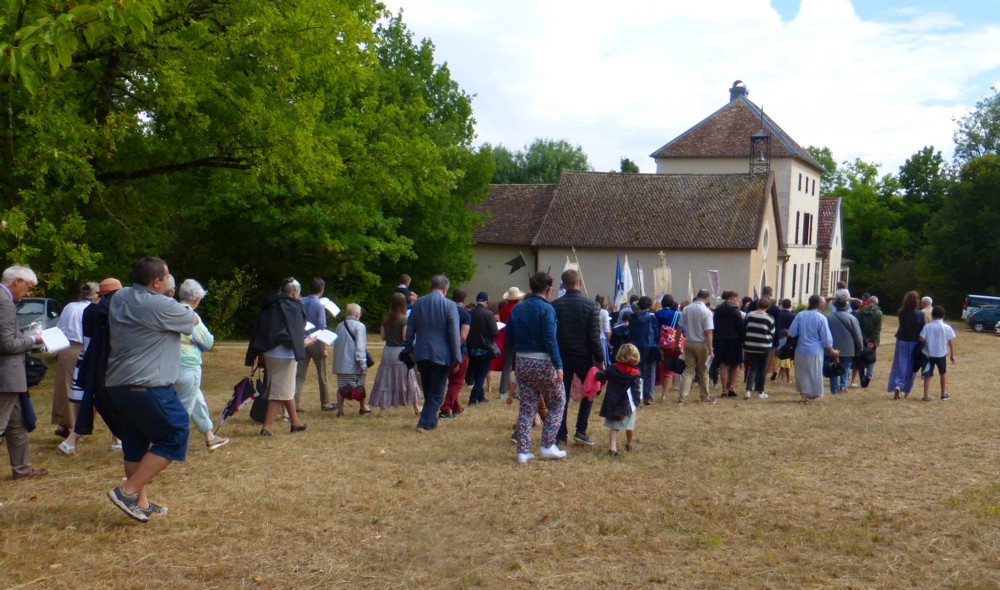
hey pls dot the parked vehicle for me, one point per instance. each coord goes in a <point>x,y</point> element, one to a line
<point>35,314</point>
<point>974,302</point>
<point>984,318</point>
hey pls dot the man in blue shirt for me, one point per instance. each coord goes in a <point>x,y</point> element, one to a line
<point>315,352</point>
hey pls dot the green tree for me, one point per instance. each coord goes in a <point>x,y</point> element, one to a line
<point>830,178</point>
<point>873,236</point>
<point>978,132</point>
<point>629,166</point>
<point>296,138</point>
<point>925,180</point>
<point>539,163</point>
<point>963,240</point>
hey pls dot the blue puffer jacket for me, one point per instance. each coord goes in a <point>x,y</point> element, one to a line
<point>532,328</point>
<point>644,331</point>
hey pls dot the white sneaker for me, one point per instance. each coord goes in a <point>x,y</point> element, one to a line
<point>524,457</point>
<point>552,452</point>
<point>762,395</point>
<point>67,448</point>
<point>747,394</point>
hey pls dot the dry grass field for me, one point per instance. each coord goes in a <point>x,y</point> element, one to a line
<point>854,491</point>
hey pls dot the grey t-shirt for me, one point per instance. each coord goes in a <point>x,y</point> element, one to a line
<point>146,333</point>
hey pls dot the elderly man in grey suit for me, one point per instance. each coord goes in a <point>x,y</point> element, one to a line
<point>17,281</point>
<point>432,337</point>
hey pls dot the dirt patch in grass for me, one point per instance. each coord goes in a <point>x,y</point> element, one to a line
<point>854,491</point>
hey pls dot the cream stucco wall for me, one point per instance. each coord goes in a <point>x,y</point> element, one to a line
<point>737,269</point>
<point>493,275</point>
<point>791,200</point>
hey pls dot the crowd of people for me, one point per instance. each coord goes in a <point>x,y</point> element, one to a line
<point>136,357</point>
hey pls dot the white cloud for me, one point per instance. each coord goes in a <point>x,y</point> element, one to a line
<point>622,80</point>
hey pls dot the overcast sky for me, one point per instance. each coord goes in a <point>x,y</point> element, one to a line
<point>870,79</point>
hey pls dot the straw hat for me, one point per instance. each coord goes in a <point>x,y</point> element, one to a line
<point>513,294</point>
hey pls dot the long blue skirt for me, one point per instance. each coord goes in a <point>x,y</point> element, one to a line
<point>902,367</point>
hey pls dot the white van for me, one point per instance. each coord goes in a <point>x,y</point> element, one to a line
<point>974,302</point>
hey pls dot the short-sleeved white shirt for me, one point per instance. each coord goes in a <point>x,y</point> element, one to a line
<point>936,336</point>
<point>696,319</point>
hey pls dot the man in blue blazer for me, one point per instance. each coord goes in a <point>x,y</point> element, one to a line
<point>432,337</point>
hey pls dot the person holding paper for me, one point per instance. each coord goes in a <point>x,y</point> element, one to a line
<point>71,325</point>
<point>395,383</point>
<point>315,352</point>
<point>17,282</point>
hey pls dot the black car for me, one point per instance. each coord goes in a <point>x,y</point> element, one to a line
<point>984,318</point>
<point>35,314</point>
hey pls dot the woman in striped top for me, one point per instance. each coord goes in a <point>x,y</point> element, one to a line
<point>757,346</point>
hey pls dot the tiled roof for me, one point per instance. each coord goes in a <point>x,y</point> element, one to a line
<point>513,213</point>
<point>726,134</point>
<point>828,209</point>
<point>613,210</point>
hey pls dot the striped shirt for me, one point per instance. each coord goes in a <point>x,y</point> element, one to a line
<point>759,333</point>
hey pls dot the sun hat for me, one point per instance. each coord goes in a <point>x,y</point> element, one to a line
<point>513,294</point>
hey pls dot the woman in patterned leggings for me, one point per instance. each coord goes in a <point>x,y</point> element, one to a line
<point>538,366</point>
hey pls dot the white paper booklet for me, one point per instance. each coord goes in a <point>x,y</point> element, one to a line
<point>330,306</point>
<point>325,336</point>
<point>54,340</point>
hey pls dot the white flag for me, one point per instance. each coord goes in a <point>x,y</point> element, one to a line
<point>627,280</point>
<point>690,287</point>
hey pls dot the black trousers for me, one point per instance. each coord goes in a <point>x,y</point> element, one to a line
<point>579,366</point>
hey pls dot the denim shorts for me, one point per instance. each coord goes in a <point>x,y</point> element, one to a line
<point>152,420</point>
<point>941,362</point>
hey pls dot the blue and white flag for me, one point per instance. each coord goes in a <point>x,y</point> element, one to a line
<point>619,285</point>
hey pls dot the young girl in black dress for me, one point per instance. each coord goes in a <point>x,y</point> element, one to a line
<point>623,396</point>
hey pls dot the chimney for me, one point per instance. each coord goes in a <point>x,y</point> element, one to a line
<point>739,89</point>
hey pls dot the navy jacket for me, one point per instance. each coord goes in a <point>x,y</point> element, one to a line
<point>432,331</point>
<point>282,320</point>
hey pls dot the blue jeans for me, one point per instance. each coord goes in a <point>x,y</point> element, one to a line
<point>648,368</point>
<point>433,379</point>
<point>479,367</point>
<point>757,371</point>
<point>839,383</point>
<point>150,420</point>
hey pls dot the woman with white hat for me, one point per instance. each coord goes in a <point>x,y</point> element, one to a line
<point>505,361</point>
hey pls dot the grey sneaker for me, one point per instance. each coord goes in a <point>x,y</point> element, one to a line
<point>583,439</point>
<point>129,504</point>
<point>156,510</point>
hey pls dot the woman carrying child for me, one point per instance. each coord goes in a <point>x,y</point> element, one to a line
<point>622,397</point>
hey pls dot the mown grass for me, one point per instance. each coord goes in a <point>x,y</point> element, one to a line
<point>850,492</point>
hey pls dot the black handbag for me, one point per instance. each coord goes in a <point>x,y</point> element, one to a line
<point>494,349</point>
<point>919,358</point>
<point>34,369</point>
<point>369,361</point>
<point>787,351</point>
<point>258,410</point>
